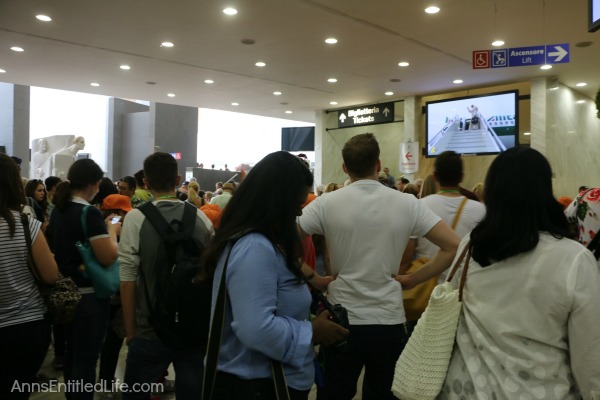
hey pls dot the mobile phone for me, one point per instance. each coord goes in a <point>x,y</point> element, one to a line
<point>115,219</point>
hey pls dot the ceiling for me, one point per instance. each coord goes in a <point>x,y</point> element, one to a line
<point>87,41</point>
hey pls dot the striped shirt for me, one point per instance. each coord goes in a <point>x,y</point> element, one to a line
<point>20,300</point>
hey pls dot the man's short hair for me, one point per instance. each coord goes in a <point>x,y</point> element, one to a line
<point>161,172</point>
<point>130,181</point>
<point>360,155</point>
<point>404,180</point>
<point>51,181</point>
<point>139,178</point>
<point>448,168</point>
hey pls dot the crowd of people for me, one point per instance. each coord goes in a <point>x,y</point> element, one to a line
<point>528,328</point>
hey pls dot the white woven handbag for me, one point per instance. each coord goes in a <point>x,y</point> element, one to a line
<point>422,366</point>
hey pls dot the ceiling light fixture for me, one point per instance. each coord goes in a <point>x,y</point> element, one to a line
<point>235,104</point>
<point>332,80</point>
<point>288,112</point>
<point>94,84</point>
<point>167,44</point>
<point>457,81</point>
<point>403,64</point>
<point>277,93</point>
<point>44,18</point>
<point>432,10</point>
<point>546,66</point>
<point>125,67</point>
<point>209,81</point>
<point>496,42</point>
<point>389,93</point>
<point>581,84</point>
<point>230,11</point>
<point>580,101</point>
<point>526,133</point>
<point>333,103</point>
<point>554,88</point>
<point>171,94</point>
<point>331,41</point>
<point>260,64</point>
<point>2,71</point>
<point>17,49</point>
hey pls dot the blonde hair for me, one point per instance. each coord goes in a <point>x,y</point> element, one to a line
<point>429,187</point>
<point>478,190</point>
<point>331,187</point>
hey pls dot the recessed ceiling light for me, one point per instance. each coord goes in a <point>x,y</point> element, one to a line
<point>546,66</point>
<point>17,49</point>
<point>44,18</point>
<point>580,101</point>
<point>457,81</point>
<point>403,64</point>
<point>527,133</point>
<point>167,44</point>
<point>432,10</point>
<point>277,93</point>
<point>332,80</point>
<point>235,104</point>
<point>2,71</point>
<point>333,103</point>
<point>389,93</point>
<point>498,43</point>
<point>553,88</point>
<point>209,81</point>
<point>125,67</point>
<point>581,84</point>
<point>331,40</point>
<point>260,64</point>
<point>230,11</point>
<point>94,84</point>
<point>171,94</point>
<point>288,112</point>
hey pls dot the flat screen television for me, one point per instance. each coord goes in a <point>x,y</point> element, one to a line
<point>594,15</point>
<point>473,125</point>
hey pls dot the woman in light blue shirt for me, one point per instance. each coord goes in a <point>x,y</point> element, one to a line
<point>267,315</point>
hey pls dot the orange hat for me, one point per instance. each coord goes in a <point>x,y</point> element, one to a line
<point>117,202</point>
<point>565,201</point>
<point>213,212</point>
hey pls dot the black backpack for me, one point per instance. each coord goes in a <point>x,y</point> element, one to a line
<point>180,309</point>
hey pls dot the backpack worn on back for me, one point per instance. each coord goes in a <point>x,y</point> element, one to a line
<point>180,309</point>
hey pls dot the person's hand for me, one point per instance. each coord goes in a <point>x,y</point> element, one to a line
<point>129,338</point>
<point>326,331</point>
<point>321,282</point>
<point>113,228</point>
<point>405,280</point>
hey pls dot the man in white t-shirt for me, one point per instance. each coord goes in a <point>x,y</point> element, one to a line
<point>448,172</point>
<point>367,226</point>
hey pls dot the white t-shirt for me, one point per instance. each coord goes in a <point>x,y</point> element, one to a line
<point>446,208</point>
<point>367,226</point>
<point>529,327</point>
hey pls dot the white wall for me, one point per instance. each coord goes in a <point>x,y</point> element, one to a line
<point>60,112</point>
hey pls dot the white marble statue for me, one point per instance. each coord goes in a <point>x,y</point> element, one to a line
<point>64,158</point>
<point>40,160</point>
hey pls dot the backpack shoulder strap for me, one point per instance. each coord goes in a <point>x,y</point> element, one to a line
<point>156,219</point>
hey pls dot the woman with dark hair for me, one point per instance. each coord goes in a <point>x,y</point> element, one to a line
<point>84,335</point>
<point>35,189</point>
<point>24,334</point>
<point>268,301</point>
<point>107,187</point>
<point>529,326</point>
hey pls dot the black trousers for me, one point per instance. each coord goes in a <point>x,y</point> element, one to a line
<point>231,387</point>
<point>375,347</point>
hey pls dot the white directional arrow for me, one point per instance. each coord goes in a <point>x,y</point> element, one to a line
<point>560,53</point>
<point>386,111</point>
<point>342,117</point>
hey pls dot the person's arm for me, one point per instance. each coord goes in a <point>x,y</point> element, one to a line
<point>44,260</point>
<point>105,248</point>
<point>407,256</point>
<point>128,304</point>
<point>314,279</point>
<point>446,239</point>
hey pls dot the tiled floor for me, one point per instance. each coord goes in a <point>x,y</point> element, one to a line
<point>49,371</point>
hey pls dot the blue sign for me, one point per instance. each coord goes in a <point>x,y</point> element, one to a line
<point>533,55</point>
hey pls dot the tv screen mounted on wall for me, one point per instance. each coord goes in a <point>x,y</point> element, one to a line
<point>473,125</point>
<point>594,15</point>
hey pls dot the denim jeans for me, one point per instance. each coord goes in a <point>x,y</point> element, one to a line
<point>84,336</point>
<point>147,360</point>
<point>377,348</point>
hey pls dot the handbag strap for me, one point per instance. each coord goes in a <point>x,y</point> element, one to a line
<point>215,337</point>
<point>458,213</point>
<point>84,222</point>
<point>466,252</point>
